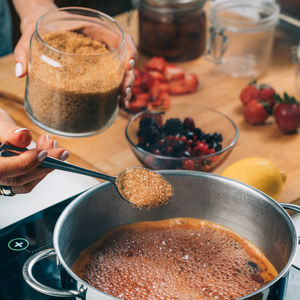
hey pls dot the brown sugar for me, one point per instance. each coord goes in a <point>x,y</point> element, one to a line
<point>73,85</point>
<point>144,188</point>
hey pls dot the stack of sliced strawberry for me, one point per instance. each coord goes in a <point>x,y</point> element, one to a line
<point>154,85</point>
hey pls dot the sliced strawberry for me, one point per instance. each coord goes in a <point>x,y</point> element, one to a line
<point>162,101</point>
<point>156,63</point>
<point>157,75</point>
<point>140,103</point>
<point>184,86</point>
<point>147,81</point>
<point>145,97</point>
<point>138,77</point>
<point>172,72</point>
<point>137,90</point>
<point>157,87</point>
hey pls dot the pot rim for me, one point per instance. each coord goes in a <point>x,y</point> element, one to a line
<point>199,174</point>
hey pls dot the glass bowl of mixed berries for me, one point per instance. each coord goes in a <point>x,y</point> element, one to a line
<point>188,137</point>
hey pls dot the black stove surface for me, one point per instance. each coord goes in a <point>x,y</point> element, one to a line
<point>23,239</point>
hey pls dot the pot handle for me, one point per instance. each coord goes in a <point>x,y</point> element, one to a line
<point>30,279</point>
<point>293,207</point>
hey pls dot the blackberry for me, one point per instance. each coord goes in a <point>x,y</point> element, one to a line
<point>218,137</point>
<point>173,126</point>
<point>218,146</point>
<point>148,122</point>
<point>189,134</point>
<point>208,138</point>
<point>199,134</point>
<point>151,134</point>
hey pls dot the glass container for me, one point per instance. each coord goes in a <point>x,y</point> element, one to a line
<point>241,36</point>
<point>76,67</point>
<point>174,29</point>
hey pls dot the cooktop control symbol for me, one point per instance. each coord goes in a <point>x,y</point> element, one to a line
<point>18,244</point>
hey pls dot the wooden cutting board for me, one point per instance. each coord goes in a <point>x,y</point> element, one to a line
<point>110,153</point>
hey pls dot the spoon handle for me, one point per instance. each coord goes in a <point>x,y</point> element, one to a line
<point>53,163</point>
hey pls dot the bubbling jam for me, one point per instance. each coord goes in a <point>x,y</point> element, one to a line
<point>178,258</point>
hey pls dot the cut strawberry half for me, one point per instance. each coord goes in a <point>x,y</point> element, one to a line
<point>162,101</point>
<point>184,86</point>
<point>157,87</point>
<point>156,63</point>
<point>157,75</point>
<point>172,72</point>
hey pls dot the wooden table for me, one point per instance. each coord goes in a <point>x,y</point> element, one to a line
<point>110,153</point>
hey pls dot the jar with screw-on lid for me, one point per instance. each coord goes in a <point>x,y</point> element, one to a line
<point>174,29</point>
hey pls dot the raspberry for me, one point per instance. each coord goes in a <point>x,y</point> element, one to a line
<point>188,164</point>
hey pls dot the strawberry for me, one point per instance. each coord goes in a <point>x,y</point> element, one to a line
<point>157,75</point>
<point>267,94</point>
<point>287,113</point>
<point>172,72</point>
<point>156,63</point>
<point>255,112</point>
<point>254,91</point>
<point>140,103</point>
<point>162,101</point>
<point>183,86</point>
<point>249,93</point>
<point>156,87</point>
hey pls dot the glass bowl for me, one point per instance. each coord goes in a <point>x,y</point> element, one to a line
<point>208,120</point>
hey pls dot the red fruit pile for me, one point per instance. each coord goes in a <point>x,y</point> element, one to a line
<point>154,85</point>
<point>261,101</point>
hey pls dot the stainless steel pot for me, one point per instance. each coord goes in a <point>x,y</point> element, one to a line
<point>245,210</point>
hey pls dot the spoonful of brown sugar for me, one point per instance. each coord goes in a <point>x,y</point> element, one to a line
<point>139,186</point>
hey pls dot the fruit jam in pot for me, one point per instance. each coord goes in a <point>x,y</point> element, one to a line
<point>172,29</point>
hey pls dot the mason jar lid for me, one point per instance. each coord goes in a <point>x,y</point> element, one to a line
<point>168,6</point>
<point>244,15</point>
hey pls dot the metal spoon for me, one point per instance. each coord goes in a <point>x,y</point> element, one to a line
<point>122,186</point>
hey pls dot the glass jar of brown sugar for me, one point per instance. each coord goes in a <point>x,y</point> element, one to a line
<point>174,29</point>
<point>76,67</point>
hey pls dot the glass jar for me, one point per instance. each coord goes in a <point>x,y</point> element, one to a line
<point>174,29</point>
<point>76,67</point>
<point>241,36</point>
<point>297,77</point>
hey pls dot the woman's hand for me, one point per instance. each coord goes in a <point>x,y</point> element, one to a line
<point>22,173</point>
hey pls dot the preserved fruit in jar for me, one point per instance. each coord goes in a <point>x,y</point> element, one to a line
<point>172,29</point>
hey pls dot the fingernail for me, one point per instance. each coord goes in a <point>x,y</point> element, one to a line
<point>42,155</point>
<point>131,63</point>
<point>21,129</point>
<point>18,69</point>
<point>54,144</point>
<point>47,137</point>
<point>128,91</point>
<point>64,155</point>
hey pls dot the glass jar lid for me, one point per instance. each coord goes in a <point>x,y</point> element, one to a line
<point>168,5</point>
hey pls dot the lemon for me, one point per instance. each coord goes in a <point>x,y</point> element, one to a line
<point>258,172</point>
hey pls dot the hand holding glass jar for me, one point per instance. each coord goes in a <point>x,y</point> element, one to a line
<point>77,66</point>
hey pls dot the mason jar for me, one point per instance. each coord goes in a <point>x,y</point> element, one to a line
<point>76,67</point>
<point>174,29</point>
<point>241,36</point>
